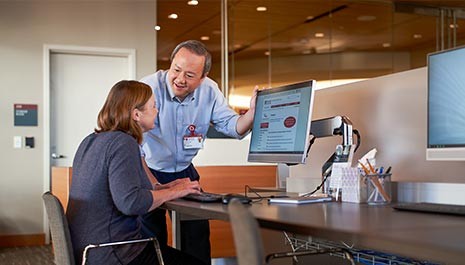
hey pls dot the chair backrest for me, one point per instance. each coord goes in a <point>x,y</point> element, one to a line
<point>61,238</point>
<point>246,232</point>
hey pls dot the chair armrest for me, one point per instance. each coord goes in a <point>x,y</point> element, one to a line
<point>155,243</point>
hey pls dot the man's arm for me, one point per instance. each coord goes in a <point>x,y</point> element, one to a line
<point>245,121</point>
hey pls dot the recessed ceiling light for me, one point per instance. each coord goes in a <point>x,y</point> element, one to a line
<point>216,32</point>
<point>237,46</point>
<point>204,38</point>
<point>157,27</point>
<point>310,17</point>
<point>366,18</point>
<point>452,26</point>
<point>417,36</point>
<point>261,8</point>
<point>173,16</point>
<point>386,45</point>
<point>267,53</point>
<point>319,35</point>
<point>193,2</point>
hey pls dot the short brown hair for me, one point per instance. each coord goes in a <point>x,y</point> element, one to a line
<point>124,97</point>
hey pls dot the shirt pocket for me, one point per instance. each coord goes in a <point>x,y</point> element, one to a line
<point>199,129</point>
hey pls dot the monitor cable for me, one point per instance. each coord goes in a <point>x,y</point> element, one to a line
<point>327,166</point>
<point>308,150</point>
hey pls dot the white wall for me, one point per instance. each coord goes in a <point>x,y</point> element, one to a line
<point>25,26</point>
<point>390,113</point>
<point>221,152</point>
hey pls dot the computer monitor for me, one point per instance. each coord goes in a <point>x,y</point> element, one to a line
<point>446,105</point>
<point>281,126</point>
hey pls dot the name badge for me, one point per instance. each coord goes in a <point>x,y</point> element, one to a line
<point>193,140</point>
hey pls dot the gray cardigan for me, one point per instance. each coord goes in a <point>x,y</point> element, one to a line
<point>109,190</point>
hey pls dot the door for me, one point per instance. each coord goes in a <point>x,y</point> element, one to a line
<point>79,84</point>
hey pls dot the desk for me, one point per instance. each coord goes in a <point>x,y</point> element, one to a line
<point>438,238</point>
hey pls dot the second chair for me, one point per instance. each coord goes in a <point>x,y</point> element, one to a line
<point>248,241</point>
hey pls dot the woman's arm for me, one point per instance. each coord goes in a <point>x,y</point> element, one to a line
<point>178,189</point>
<point>153,180</point>
<point>173,190</point>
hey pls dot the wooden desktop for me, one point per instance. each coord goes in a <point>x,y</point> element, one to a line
<point>432,237</point>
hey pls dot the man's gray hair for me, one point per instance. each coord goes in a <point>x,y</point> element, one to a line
<point>198,48</point>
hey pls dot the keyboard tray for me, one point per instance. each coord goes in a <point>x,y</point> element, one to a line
<point>431,208</point>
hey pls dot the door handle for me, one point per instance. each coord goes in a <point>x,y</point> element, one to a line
<point>57,156</point>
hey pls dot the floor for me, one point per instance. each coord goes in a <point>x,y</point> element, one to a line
<point>37,255</point>
<point>42,255</point>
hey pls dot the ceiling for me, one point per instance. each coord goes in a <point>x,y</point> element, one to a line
<point>288,28</point>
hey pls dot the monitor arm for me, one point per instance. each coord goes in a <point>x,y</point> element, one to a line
<point>337,125</point>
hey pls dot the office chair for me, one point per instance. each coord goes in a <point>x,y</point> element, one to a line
<point>61,237</point>
<point>248,241</point>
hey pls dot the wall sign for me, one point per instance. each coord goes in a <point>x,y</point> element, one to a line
<point>25,114</point>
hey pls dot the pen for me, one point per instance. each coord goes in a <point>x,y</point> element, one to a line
<point>371,167</point>
<point>365,169</point>
<point>388,170</point>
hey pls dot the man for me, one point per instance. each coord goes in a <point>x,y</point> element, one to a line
<point>188,101</point>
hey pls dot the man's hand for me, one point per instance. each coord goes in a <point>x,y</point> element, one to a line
<point>244,123</point>
<point>253,99</point>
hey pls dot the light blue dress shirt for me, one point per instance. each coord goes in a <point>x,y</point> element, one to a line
<point>163,146</point>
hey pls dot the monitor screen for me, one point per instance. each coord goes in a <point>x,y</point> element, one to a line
<point>281,126</point>
<point>446,105</point>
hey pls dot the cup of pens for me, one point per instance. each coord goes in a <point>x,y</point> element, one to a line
<point>378,188</point>
<point>378,183</point>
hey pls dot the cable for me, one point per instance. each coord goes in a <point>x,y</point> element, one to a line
<point>318,187</point>
<point>308,150</point>
<point>359,139</point>
<point>248,188</point>
<point>327,166</point>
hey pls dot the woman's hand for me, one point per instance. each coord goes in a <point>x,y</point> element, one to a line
<point>182,187</point>
<point>173,190</point>
<point>171,184</point>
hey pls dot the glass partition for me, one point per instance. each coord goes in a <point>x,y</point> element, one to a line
<point>271,43</point>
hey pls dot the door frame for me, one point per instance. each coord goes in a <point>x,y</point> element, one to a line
<point>48,49</point>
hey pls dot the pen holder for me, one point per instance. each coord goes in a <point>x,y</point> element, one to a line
<point>378,188</point>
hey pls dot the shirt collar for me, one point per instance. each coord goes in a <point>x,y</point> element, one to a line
<point>168,87</point>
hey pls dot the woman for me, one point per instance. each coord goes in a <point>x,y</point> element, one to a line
<point>110,188</point>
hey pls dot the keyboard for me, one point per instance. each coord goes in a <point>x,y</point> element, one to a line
<point>204,197</point>
<point>431,208</point>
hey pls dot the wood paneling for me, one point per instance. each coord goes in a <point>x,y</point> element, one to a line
<point>22,240</point>
<point>61,182</point>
